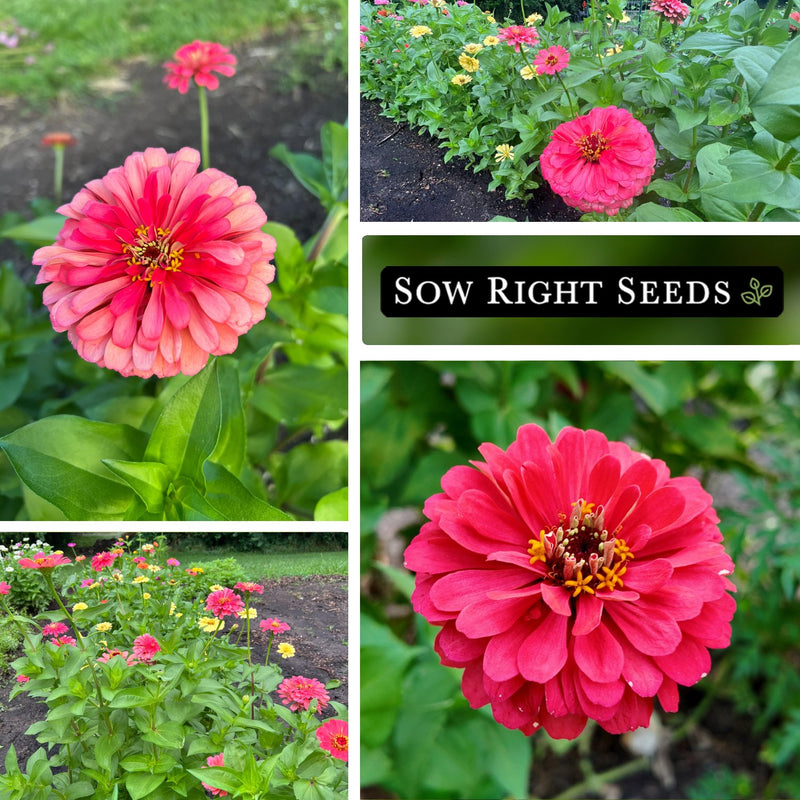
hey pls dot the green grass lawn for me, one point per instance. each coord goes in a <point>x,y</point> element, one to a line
<point>272,565</point>
<point>75,41</point>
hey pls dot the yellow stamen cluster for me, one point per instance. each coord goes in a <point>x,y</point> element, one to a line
<point>152,252</point>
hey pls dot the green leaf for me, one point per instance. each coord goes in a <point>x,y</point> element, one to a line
<point>717,43</point>
<point>653,212</point>
<point>231,444</point>
<point>310,471</point>
<point>12,382</point>
<point>299,395</point>
<point>753,179</point>
<point>140,784</point>
<point>654,393</point>
<point>187,430</point>
<point>59,458</point>
<point>149,479</point>
<point>231,498</point>
<point>332,507</point>
<point>754,63</point>
<point>776,106</point>
<point>40,231</point>
<point>714,177</point>
<point>106,747</point>
<point>166,734</point>
<point>134,697</point>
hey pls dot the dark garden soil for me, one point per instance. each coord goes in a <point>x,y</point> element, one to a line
<point>404,179</point>
<point>316,609</point>
<point>132,109</point>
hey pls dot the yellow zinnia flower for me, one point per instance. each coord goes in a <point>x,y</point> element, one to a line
<point>491,41</point>
<point>80,607</point>
<point>473,48</point>
<point>210,624</point>
<point>504,152</point>
<point>461,79</point>
<point>286,650</point>
<point>468,63</point>
<point>419,30</point>
<point>528,73</point>
<point>103,627</point>
<point>141,579</point>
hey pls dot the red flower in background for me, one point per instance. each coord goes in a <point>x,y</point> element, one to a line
<point>158,266</point>
<point>572,579</point>
<point>198,61</point>
<point>601,161</point>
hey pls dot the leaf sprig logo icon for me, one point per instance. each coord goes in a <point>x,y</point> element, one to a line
<point>758,294</point>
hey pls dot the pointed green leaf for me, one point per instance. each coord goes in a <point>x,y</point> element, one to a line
<point>776,106</point>
<point>233,501</point>
<point>149,479</point>
<point>40,231</point>
<point>60,459</point>
<point>140,784</point>
<point>332,507</point>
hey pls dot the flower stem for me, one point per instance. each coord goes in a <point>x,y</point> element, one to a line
<point>595,782</point>
<point>203,100</point>
<point>58,171</point>
<point>569,99</point>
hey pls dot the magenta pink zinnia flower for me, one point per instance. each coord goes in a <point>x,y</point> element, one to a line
<point>145,648</point>
<point>42,561</point>
<point>215,761</point>
<point>572,579</point>
<point>61,641</point>
<point>672,10</point>
<point>333,737</point>
<point>102,560</point>
<point>601,161</point>
<point>551,60</point>
<point>5,588</point>
<point>198,61</point>
<point>224,603</point>
<point>158,266</point>
<point>109,654</point>
<point>517,35</point>
<point>21,678</point>
<point>298,692</point>
<point>54,629</point>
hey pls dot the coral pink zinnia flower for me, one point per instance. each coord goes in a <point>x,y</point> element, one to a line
<point>572,579</point>
<point>5,588</point>
<point>158,266</point>
<point>249,586</point>
<point>551,60</point>
<point>518,35</point>
<point>274,625</point>
<point>60,641</point>
<point>601,161</point>
<point>42,561</point>
<point>215,761</point>
<point>795,15</point>
<point>109,654</point>
<point>198,61</point>
<point>224,603</point>
<point>332,736</point>
<point>672,10</point>
<point>102,560</point>
<point>298,692</point>
<point>145,647</point>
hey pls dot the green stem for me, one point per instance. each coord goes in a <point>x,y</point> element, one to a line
<point>595,782</point>
<point>269,647</point>
<point>58,171</point>
<point>765,15</point>
<point>335,216</point>
<point>22,630</point>
<point>569,99</point>
<point>203,100</point>
<point>522,9</point>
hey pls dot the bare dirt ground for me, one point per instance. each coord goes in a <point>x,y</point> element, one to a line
<point>404,178</point>
<point>316,609</point>
<point>132,109</point>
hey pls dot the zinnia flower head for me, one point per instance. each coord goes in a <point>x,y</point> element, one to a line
<point>210,624</point>
<point>215,761</point>
<point>59,139</point>
<point>419,30</point>
<point>286,650</point>
<point>795,15</point>
<point>54,629</point>
<point>332,736</point>
<point>224,603</point>
<point>504,152</point>
<point>61,641</point>
<point>461,79</point>
<point>551,60</point>
<point>5,588</point>
<point>298,692</point>
<point>21,678</point>
<point>145,647</point>
<point>101,560</point>
<point>250,587</point>
<point>173,562</point>
<point>274,625</point>
<point>158,266</point>
<point>518,35</point>
<point>601,161</point>
<point>109,654</point>
<point>42,561</point>
<point>198,61</point>
<point>572,579</point>
<point>469,63</point>
<point>671,10</point>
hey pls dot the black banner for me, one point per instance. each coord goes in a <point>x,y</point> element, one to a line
<point>471,291</point>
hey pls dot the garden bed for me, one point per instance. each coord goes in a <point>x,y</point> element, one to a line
<point>316,609</point>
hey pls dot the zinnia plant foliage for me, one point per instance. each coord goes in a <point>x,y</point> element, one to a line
<point>234,390</point>
<point>572,580</point>
<point>152,691</point>
<point>704,100</point>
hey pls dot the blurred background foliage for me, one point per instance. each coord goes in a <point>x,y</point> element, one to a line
<point>734,425</point>
<point>73,43</point>
<point>735,252</point>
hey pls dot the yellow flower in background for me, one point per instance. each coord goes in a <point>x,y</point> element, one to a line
<point>533,19</point>
<point>611,51</point>
<point>461,79</point>
<point>146,595</point>
<point>80,607</point>
<point>528,73</point>
<point>419,30</point>
<point>468,63</point>
<point>216,587</point>
<point>286,650</point>
<point>504,152</point>
<point>210,624</point>
<point>473,48</point>
<point>141,579</point>
<point>103,627</point>
<point>489,17</point>
<point>250,613</point>
<point>154,568</point>
<point>172,608</point>
<point>491,41</point>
